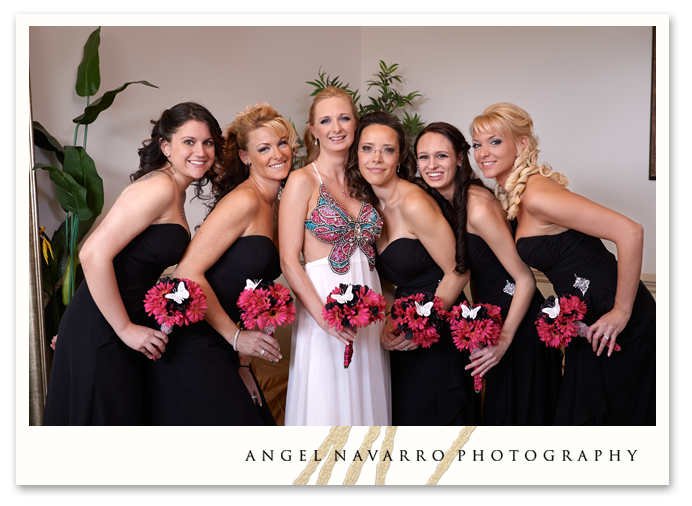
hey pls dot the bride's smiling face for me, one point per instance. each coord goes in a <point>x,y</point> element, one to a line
<point>334,125</point>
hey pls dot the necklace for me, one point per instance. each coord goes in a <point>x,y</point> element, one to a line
<point>343,191</point>
<point>392,195</point>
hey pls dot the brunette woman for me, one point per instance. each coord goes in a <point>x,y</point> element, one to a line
<point>106,338</point>
<point>204,378</point>
<point>522,375</point>
<point>415,255</point>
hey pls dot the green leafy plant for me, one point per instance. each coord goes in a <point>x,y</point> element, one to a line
<point>78,187</point>
<point>388,98</point>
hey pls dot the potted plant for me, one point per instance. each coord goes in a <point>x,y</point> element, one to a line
<point>78,187</point>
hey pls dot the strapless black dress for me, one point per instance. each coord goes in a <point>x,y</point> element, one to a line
<point>523,388</point>
<point>196,381</point>
<point>95,378</point>
<point>429,385</point>
<point>615,390</point>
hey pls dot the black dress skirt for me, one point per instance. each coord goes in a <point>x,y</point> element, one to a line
<point>95,378</point>
<point>196,381</point>
<point>523,388</point>
<point>429,385</point>
<point>615,390</point>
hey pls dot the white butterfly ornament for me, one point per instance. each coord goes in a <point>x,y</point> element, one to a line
<point>554,311</point>
<point>180,294</point>
<point>345,297</point>
<point>467,312</point>
<point>251,285</point>
<point>423,310</point>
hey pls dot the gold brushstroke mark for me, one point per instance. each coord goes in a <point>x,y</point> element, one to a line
<point>337,437</point>
<point>387,446</point>
<point>354,470</point>
<point>444,464</point>
<point>339,440</point>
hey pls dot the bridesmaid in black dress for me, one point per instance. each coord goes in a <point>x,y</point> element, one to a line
<point>522,375</point>
<point>559,233</point>
<point>415,254</point>
<point>105,336</point>
<point>204,378</point>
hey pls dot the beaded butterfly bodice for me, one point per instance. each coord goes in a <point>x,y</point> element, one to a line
<point>330,222</point>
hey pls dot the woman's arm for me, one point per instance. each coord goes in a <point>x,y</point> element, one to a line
<point>487,220</point>
<point>294,208</point>
<point>140,204</point>
<point>424,220</point>
<point>551,203</point>
<point>229,220</point>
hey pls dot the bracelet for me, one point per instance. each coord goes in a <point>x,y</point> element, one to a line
<point>241,365</point>
<point>235,340</point>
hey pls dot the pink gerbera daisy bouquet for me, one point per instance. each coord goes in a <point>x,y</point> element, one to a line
<point>419,317</point>
<point>174,301</point>
<point>266,305</point>
<point>559,320</point>
<point>475,327</point>
<point>352,307</point>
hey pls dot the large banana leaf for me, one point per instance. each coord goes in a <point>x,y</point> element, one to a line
<point>91,112</point>
<point>81,167</point>
<point>88,72</point>
<point>72,197</point>
<point>46,141</point>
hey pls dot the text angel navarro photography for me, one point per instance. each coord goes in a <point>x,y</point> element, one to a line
<point>469,455</point>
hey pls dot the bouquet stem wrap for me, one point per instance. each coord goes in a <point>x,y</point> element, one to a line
<point>352,307</point>
<point>474,328</point>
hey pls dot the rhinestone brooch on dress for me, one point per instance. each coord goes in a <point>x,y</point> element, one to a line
<point>509,288</point>
<point>582,284</point>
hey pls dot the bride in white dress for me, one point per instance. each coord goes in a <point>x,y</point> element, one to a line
<point>335,233</point>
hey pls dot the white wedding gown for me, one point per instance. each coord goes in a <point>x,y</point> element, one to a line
<point>320,390</point>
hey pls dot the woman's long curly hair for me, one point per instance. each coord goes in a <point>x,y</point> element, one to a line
<point>456,212</point>
<point>509,120</point>
<point>237,135</point>
<point>359,188</point>
<point>151,157</point>
<point>313,149</point>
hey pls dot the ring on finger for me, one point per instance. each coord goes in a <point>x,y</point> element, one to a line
<point>262,352</point>
<point>254,397</point>
<point>406,348</point>
<point>605,337</point>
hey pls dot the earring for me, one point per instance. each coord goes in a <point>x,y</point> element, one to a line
<point>315,142</point>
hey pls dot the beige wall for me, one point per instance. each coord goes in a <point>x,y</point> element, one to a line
<point>587,89</point>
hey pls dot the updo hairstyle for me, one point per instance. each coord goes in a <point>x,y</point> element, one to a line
<point>237,135</point>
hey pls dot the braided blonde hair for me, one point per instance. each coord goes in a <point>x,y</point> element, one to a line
<point>514,122</point>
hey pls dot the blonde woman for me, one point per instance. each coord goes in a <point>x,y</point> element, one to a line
<point>335,234</point>
<point>522,376</point>
<point>204,378</point>
<point>559,233</point>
